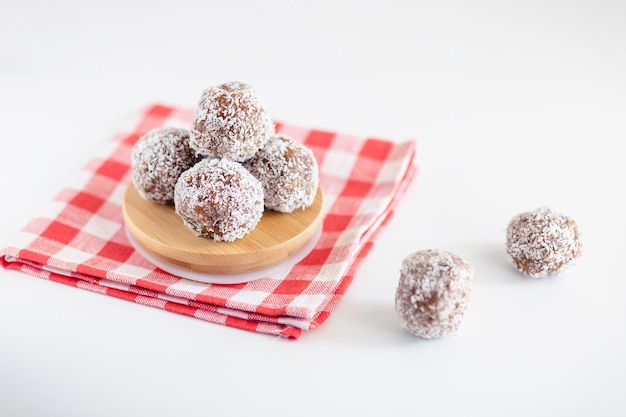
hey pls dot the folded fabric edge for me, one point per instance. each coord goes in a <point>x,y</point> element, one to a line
<point>409,173</point>
<point>288,329</point>
<point>369,235</point>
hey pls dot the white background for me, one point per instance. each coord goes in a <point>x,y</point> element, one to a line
<point>514,105</point>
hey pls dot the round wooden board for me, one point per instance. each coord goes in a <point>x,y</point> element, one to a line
<point>162,232</point>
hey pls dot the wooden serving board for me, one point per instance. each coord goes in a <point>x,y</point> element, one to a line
<point>161,231</point>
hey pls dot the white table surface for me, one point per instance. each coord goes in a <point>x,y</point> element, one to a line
<point>514,105</point>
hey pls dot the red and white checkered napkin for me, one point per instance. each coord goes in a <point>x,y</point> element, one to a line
<point>80,240</point>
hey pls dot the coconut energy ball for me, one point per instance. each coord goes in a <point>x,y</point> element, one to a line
<point>542,242</point>
<point>158,158</point>
<point>288,171</point>
<point>220,199</point>
<point>433,292</point>
<point>230,122</point>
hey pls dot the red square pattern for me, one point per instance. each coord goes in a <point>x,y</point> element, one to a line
<point>356,188</point>
<point>316,257</point>
<point>131,138</point>
<point>154,117</point>
<point>288,286</point>
<point>113,169</point>
<point>88,270</point>
<point>376,149</point>
<point>115,251</point>
<point>87,201</point>
<point>319,138</point>
<point>159,111</point>
<point>34,256</point>
<point>60,232</point>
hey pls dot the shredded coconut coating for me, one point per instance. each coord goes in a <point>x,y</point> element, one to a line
<point>289,174</point>
<point>230,122</point>
<point>433,292</point>
<point>543,242</point>
<point>158,158</point>
<point>220,199</point>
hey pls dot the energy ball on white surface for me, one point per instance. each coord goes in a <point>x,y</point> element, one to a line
<point>230,122</point>
<point>542,242</point>
<point>158,158</point>
<point>288,171</point>
<point>219,198</point>
<point>433,292</point>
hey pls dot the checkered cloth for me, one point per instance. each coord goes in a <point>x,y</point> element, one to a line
<point>80,238</point>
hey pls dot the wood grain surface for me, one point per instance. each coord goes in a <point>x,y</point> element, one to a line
<point>162,232</point>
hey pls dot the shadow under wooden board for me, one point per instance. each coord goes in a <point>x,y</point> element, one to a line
<point>276,238</point>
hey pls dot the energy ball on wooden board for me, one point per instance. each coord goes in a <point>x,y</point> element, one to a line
<point>158,158</point>
<point>433,292</point>
<point>288,171</point>
<point>230,122</point>
<point>220,199</point>
<point>542,242</point>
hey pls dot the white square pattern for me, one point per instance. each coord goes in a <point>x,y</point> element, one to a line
<point>131,271</point>
<point>338,164</point>
<point>246,297</point>
<point>101,227</point>
<point>71,255</point>
<point>186,286</point>
<point>389,171</point>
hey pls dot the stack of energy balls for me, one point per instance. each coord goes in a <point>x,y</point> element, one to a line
<point>223,172</point>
